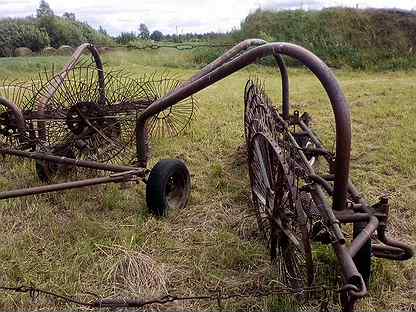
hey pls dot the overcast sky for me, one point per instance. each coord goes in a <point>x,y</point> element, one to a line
<point>182,16</point>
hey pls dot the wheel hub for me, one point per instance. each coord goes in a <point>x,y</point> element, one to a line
<point>84,117</point>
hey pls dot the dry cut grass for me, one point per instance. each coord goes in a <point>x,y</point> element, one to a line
<point>103,240</point>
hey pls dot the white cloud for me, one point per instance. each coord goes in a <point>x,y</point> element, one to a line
<point>170,16</point>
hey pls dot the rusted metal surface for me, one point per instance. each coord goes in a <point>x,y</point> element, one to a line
<point>286,142</point>
<point>291,194</point>
<point>65,160</point>
<point>322,72</point>
<point>115,178</point>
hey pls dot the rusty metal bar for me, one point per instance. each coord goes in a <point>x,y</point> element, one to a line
<point>243,46</point>
<point>20,121</point>
<point>310,133</point>
<point>350,272</point>
<point>110,112</point>
<point>349,216</point>
<point>285,85</point>
<point>363,236</point>
<point>68,161</point>
<point>321,71</point>
<point>227,56</point>
<point>67,185</point>
<point>394,250</point>
<point>44,100</point>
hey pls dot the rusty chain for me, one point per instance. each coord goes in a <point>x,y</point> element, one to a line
<point>219,297</point>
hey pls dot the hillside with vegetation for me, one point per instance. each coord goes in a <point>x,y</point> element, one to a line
<point>342,36</point>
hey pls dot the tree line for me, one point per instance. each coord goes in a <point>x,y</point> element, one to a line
<point>381,38</point>
<point>157,36</point>
<point>47,29</point>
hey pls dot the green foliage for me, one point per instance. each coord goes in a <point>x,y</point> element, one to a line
<point>126,37</point>
<point>44,10</point>
<point>203,56</point>
<point>16,33</point>
<point>359,39</point>
<point>47,29</point>
<point>66,31</point>
<point>144,32</point>
<point>156,35</point>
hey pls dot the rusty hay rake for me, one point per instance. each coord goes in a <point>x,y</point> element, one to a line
<point>302,194</point>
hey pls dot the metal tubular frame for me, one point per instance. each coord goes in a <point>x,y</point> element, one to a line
<point>44,100</point>
<point>20,120</point>
<point>238,57</point>
<point>115,178</point>
<point>74,61</point>
<point>311,61</point>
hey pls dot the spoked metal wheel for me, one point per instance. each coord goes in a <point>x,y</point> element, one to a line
<point>97,125</point>
<point>173,120</point>
<point>20,95</point>
<point>275,192</point>
<point>279,217</point>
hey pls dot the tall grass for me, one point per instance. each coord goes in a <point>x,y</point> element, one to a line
<point>360,39</point>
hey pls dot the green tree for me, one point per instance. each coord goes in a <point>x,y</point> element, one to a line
<point>70,16</point>
<point>102,31</point>
<point>156,35</point>
<point>126,37</point>
<point>44,10</point>
<point>144,32</point>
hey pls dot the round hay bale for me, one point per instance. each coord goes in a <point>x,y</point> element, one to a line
<point>49,51</point>
<point>65,50</point>
<point>22,51</point>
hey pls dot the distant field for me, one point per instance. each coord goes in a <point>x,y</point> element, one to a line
<point>88,240</point>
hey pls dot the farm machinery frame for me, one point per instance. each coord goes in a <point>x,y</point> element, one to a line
<point>300,190</point>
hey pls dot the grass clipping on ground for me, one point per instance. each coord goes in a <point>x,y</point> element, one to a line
<point>102,240</point>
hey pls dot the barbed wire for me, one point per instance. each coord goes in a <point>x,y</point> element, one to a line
<point>218,296</point>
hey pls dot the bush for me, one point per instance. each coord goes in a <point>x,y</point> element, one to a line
<point>203,56</point>
<point>126,38</point>
<point>15,33</point>
<point>47,30</point>
<point>341,37</point>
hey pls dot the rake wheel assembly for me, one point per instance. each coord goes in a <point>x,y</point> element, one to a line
<point>86,117</point>
<point>275,192</point>
<point>274,201</point>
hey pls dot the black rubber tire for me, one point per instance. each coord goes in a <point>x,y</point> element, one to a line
<point>160,196</point>
<point>363,257</point>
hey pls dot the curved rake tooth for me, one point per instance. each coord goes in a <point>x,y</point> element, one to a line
<point>109,126</point>
<point>21,94</point>
<point>173,120</point>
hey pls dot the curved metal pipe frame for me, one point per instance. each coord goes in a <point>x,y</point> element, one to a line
<point>75,58</point>
<point>227,56</point>
<point>237,50</point>
<point>20,120</point>
<point>312,62</point>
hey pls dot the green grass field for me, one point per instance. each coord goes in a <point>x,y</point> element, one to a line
<point>103,240</point>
